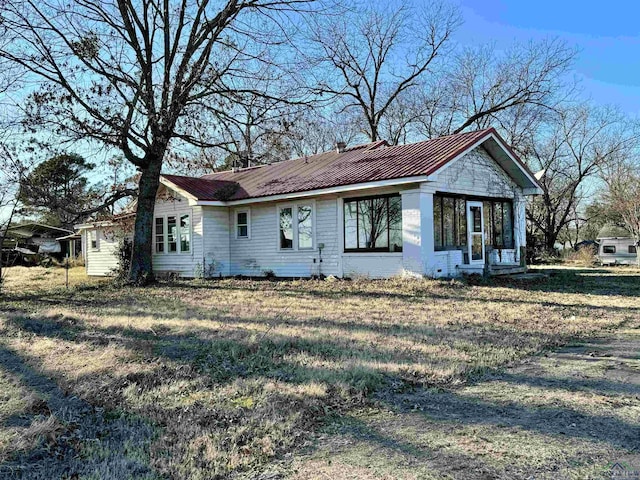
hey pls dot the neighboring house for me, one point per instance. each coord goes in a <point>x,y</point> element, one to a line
<point>32,238</point>
<point>101,242</point>
<point>617,246</point>
<point>442,207</point>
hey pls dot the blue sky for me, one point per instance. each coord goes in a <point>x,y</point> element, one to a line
<point>606,33</point>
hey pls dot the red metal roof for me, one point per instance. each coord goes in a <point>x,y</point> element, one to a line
<point>358,164</point>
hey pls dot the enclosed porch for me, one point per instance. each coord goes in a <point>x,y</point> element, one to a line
<point>465,234</point>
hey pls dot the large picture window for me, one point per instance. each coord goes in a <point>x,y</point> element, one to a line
<point>373,224</point>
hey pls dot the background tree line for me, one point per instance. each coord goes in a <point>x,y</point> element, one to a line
<point>195,86</point>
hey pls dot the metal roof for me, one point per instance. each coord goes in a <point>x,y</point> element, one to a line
<point>359,164</point>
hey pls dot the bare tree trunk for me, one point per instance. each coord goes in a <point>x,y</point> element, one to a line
<point>550,243</point>
<point>141,265</point>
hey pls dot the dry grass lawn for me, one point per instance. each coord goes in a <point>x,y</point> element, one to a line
<point>316,379</point>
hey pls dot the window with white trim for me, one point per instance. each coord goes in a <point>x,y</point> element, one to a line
<point>296,226</point>
<point>93,234</point>
<point>185,233</point>
<point>173,234</point>
<point>159,234</point>
<point>305,227</point>
<point>242,224</point>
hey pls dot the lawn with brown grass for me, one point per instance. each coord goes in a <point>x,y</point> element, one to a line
<point>245,378</point>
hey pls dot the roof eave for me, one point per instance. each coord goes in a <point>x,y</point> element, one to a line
<point>321,191</point>
<point>167,183</point>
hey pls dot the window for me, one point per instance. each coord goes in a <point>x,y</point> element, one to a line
<point>633,249</point>
<point>242,224</point>
<point>286,228</point>
<point>449,222</point>
<point>185,233</point>
<point>373,224</point>
<point>608,249</point>
<point>305,227</point>
<point>159,235</point>
<point>94,239</point>
<point>295,225</point>
<point>173,234</point>
<point>172,237</point>
<point>498,221</point>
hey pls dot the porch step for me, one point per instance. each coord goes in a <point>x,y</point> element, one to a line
<point>506,269</point>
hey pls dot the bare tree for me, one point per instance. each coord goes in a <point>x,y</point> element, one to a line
<point>134,75</point>
<point>572,152</point>
<point>484,87</point>
<point>375,56</point>
<point>313,132</point>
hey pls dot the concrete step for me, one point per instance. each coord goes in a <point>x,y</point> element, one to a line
<point>506,269</point>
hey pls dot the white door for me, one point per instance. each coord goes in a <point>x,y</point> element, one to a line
<point>475,229</point>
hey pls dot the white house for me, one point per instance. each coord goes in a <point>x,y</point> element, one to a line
<point>442,207</point>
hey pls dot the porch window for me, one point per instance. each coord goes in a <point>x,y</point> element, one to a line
<point>498,222</point>
<point>449,222</point>
<point>373,224</point>
<point>633,249</point>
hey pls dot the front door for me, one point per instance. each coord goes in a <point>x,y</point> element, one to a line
<point>475,227</point>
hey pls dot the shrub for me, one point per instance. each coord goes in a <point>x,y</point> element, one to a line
<point>269,274</point>
<point>584,256</point>
<point>124,254</point>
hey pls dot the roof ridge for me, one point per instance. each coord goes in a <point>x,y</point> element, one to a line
<point>361,146</point>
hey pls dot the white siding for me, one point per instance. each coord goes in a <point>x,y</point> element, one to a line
<point>183,263</point>
<point>440,265</point>
<point>101,261</point>
<point>260,253</point>
<point>372,265</point>
<point>216,238</point>
<point>475,174</point>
